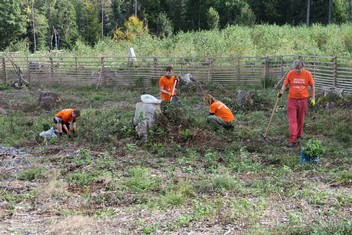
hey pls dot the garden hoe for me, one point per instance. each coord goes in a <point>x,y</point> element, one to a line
<point>271,118</point>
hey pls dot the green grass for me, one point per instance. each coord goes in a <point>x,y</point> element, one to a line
<point>184,177</point>
<point>32,174</point>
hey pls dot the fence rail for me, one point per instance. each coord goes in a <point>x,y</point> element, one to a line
<point>328,71</point>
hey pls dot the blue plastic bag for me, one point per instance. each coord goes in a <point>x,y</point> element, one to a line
<point>304,159</point>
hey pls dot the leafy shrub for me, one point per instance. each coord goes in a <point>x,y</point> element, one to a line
<point>313,149</point>
<point>102,129</point>
<point>140,180</point>
<point>32,174</point>
<point>224,183</point>
<point>80,178</point>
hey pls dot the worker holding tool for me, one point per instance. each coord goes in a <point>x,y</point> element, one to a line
<point>167,84</point>
<point>220,116</point>
<point>298,80</point>
<point>63,119</point>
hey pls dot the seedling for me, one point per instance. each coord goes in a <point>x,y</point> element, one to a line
<point>312,151</point>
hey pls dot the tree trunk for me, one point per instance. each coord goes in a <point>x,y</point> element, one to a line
<point>330,12</point>
<point>102,19</point>
<point>33,28</point>
<point>135,8</point>
<point>349,10</point>
<point>308,12</point>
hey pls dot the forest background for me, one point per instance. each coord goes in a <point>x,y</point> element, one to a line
<point>177,27</point>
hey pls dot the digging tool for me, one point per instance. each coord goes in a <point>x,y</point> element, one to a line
<point>271,118</point>
<point>173,96</point>
<point>281,80</point>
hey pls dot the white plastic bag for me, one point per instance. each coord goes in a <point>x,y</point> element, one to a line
<point>48,134</point>
<point>149,99</point>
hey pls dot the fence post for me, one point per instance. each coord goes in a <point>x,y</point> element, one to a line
<point>76,70</point>
<point>335,71</point>
<point>28,70</point>
<point>51,67</point>
<point>210,71</point>
<point>102,71</point>
<point>155,66</point>
<point>4,69</point>
<point>129,72</point>
<point>266,67</point>
<point>238,69</point>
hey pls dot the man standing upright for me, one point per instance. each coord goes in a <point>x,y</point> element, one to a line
<point>298,80</point>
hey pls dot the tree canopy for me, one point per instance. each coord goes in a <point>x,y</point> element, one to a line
<point>60,24</point>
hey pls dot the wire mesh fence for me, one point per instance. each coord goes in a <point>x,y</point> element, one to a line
<point>328,71</point>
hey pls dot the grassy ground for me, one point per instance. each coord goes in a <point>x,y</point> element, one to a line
<point>186,179</point>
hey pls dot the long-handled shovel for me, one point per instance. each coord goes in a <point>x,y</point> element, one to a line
<point>173,96</point>
<point>271,118</point>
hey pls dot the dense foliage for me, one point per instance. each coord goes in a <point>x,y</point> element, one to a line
<point>60,24</point>
<point>259,40</point>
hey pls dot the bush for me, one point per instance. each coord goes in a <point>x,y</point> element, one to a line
<point>313,149</point>
<point>32,174</point>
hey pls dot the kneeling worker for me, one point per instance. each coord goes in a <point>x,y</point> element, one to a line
<point>63,119</point>
<point>220,115</point>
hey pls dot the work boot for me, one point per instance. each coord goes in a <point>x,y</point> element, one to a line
<point>291,145</point>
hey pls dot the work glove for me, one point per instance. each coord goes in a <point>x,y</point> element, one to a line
<point>279,94</point>
<point>312,102</point>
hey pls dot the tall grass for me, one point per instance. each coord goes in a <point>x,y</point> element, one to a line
<point>259,40</point>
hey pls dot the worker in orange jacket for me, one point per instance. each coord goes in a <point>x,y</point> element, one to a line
<point>63,119</point>
<point>298,80</point>
<point>220,116</point>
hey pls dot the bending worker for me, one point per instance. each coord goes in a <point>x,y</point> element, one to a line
<point>298,80</point>
<point>63,119</point>
<point>220,116</point>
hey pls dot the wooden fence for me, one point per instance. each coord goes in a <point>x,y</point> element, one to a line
<point>145,71</point>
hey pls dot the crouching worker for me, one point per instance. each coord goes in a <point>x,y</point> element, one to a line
<point>220,116</point>
<point>63,119</point>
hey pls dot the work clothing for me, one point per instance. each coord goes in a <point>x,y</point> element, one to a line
<point>218,122</point>
<point>168,84</point>
<point>65,115</point>
<point>221,110</point>
<point>297,104</point>
<point>220,115</point>
<point>296,111</point>
<point>299,84</point>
